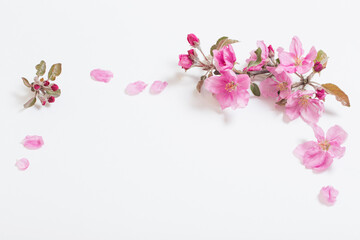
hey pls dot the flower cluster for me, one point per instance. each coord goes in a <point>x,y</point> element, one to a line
<point>288,79</point>
<point>44,90</point>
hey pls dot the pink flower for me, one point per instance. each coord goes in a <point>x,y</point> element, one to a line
<point>224,59</point>
<point>33,142</point>
<point>185,61</point>
<point>300,103</point>
<point>101,75</point>
<point>328,195</point>
<point>229,89</point>
<point>193,40</point>
<point>264,56</point>
<point>320,94</point>
<point>319,155</point>
<point>279,88</point>
<point>294,61</point>
<point>22,164</point>
<point>157,87</point>
<point>135,88</point>
<point>318,67</point>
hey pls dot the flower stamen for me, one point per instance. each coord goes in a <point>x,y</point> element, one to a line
<point>231,86</point>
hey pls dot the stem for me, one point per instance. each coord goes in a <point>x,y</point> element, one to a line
<point>203,54</point>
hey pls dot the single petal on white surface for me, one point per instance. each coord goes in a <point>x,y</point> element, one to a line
<point>22,164</point>
<point>135,88</point>
<point>157,87</point>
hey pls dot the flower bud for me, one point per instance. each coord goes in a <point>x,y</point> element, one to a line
<point>318,67</point>
<point>46,83</point>
<point>192,54</point>
<point>320,94</point>
<point>185,61</point>
<point>51,99</point>
<point>54,87</point>
<point>193,40</point>
<point>36,87</point>
<point>271,51</point>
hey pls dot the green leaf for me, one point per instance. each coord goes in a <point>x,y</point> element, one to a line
<point>41,68</point>
<point>322,58</point>
<point>26,82</point>
<point>54,71</point>
<point>200,83</point>
<point>258,58</point>
<point>220,43</point>
<point>56,94</point>
<point>255,89</point>
<point>30,103</point>
<point>212,49</point>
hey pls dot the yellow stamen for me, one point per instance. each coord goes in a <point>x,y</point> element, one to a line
<point>231,86</point>
<point>282,86</point>
<point>325,145</point>
<point>298,61</point>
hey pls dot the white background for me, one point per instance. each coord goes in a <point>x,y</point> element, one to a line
<point>171,166</point>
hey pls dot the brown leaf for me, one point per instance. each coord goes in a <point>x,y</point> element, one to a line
<point>337,92</point>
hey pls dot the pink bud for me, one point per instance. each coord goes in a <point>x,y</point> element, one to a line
<point>51,99</point>
<point>318,67</point>
<point>271,51</point>
<point>192,54</point>
<point>54,87</point>
<point>320,94</point>
<point>36,87</point>
<point>185,61</point>
<point>193,40</point>
<point>46,83</point>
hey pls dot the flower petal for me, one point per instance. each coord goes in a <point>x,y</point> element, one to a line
<point>101,75</point>
<point>33,142</point>
<point>337,151</point>
<point>328,195</point>
<point>336,135</point>
<point>215,84</point>
<point>22,164</point>
<point>157,87</point>
<point>135,88</point>
<point>296,47</point>
<point>300,150</point>
<point>286,59</point>
<point>319,133</point>
<point>269,88</point>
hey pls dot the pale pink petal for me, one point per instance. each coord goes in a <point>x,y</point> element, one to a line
<point>296,47</point>
<point>101,75</point>
<point>305,67</point>
<point>33,142</point>
<point>292,111</point>
<point>337,151</point>
<point>311,55</point>
<point>135,88</point>
<point>286,59</point>
<point>157,87</point>
<point>224,99</point>
<point>336,134</point>
<point>317,159</point>
<point>241,99</point>
<point>215,84</point>
<point>300,150</point>
<point>22,164</point>
<point>328,195</point>
<point>269,88</point>
<point>319,133</point>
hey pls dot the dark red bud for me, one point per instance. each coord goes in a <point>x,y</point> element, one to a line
<point>318,67</point>
<point>54,87</point>
<point>46,83</point>
<point>36,87</point>
<point>51,99</point>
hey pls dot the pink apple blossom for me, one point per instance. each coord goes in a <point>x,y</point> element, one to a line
<point>319,155</point>
<point>33,142</point>
<point>230,90</point>
<point>264,56</point>
<point>193,39</point>
<point>185,61</point>
<point>328,195</point>
<point>294,61</point>
<point>135,88</point>
<point>157,87</point>
<point>301,104</point>
<point>22,164</point>
<point>279,88</point>
<point>101,75</point>
<point>224,59</point>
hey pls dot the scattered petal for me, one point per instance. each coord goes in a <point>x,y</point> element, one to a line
<point>135,88</point>
<point>101,75</point>
<point>33,142</point>
<point>328,195</point>
<point>22,164</point>
<point>157,87</point>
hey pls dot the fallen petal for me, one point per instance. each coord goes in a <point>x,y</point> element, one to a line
<point>328,195</point>
<point>135,88</point>
<point>157,87</point>
<point>22,164</point>
<point>101,75</point>
<point>33,142</point>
